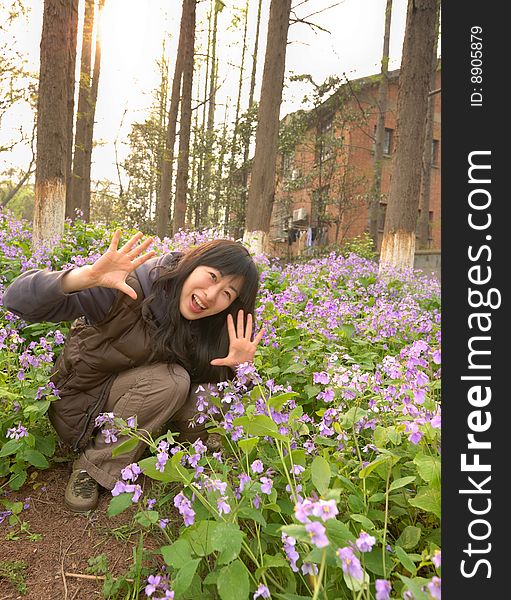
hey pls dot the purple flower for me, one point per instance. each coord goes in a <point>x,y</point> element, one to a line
<point>15,433</point>
<point>257,466</point>
<point>435,587</point>
<point>162,458</point>
<point>289,549</point>
<point>383,588</point>
<point>131,472</point>
<point>153,581</point>
<point>309,568</point>
<point>131,422</point>
<point>365,542</point>
<point>297,469</point>
<point>437,558</point>
<point>184,506</point>
<point>321,377</point>
<point>261,592</point>
<point>325,509</point>
<point>350,563</point>
<point>109,435</point>
<point>267,485</point>
<point>244,480</point>
<point>303,510</point>
<point>317,534</point>
<point>150,503</point>
<point>222,506</point>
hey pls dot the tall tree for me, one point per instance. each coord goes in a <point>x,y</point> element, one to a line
<point>73,31</point>
<point>162,227</point>
<point>89,132</point>
<point>374,206</point>
<point>52,122</point>
<point>427,157</point>
<point>78,196</point>
<point>262,186</point>
<point>398,245</point>
<point>189,10</point>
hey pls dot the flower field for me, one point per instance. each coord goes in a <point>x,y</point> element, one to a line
<point>326,484</point>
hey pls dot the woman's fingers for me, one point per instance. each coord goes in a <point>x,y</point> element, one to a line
<point>114,242</point>
<point>230,327</point>
<point>131,242</point>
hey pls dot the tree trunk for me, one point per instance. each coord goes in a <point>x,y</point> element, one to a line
<point>203,207</point>
<point>374,207</point>
<point>162,227</point>
<point>52,123</point>
<point>247,138</point>
<point>77,182</point>
<point>427,157</point>
<point>231,210</point>
<point>73,24</point>
<point>262,186</point>
<point>186,117</point>
<point>91,113</point>
<point>398,245</point>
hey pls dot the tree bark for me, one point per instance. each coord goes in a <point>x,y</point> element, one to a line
<point>73,31</point>
<point>186,117</point>
<point>52,123</point>
<point>262,186</point>
<point>398,245</point>
<point>162,227</point>
<point>427,157</point>
<point>374,207</point>
<point>77,182</point>
<point>91,113</point>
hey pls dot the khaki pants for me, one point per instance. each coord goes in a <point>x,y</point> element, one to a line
<point>159,395</point>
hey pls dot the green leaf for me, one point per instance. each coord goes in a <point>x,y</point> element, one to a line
<point>233,583</point>
<point>184,576</point>
<point>276,402</point>
<point>248,444</point>
<point>428,499</point>
<point>428,468</point>
<point>146,518</point>
<point>35,458</point>
<point>354,414</point>
<point>338,533</point>
<point>36,408</point>
<point>321,474</point>
<point>227,539</point>
<point>401,482</point>
<point>125,446</point>
<point>405,560</point>
<point>199,536</point>
<point>11,447</point>
<point>364,521</point>
<point>259,425</point>
<point>119,503</point>
<point>248,512</point>
<point>178,554</point>
<point>368,469</point>
<point>409,537</point>
<point>415,586</point>
<point>17,479</point>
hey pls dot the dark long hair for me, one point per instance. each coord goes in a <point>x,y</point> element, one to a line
<point>193,344</point>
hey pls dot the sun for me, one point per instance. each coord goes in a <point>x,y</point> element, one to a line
<point>129,30</point>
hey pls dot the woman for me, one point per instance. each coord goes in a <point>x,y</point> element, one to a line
<point>146,330</point>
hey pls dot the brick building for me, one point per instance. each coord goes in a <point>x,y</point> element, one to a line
<point>326,166</point>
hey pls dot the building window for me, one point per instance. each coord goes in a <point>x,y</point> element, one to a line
<point>388,141</point>
<point>435,152</point>
<point>287,164</point>
<point>324,141</point>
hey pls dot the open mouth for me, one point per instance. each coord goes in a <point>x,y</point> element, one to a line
<point>197,304</point>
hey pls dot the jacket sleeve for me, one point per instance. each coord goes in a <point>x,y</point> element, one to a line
<point>37,295</point>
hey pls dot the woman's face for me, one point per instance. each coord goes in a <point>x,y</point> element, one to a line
<point>207,292</point>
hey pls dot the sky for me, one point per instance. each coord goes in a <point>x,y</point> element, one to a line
<point>132,34</point>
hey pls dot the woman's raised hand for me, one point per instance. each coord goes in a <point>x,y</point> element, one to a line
<point>241,347</point>
<point>112,268</point>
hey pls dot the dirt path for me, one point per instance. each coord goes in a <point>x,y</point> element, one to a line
<point>68,541</point>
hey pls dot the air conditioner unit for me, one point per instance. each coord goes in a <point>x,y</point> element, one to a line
<point>299,214</point>
<point>295,173</point>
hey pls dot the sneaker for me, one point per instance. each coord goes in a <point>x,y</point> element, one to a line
<point>82,492</point>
